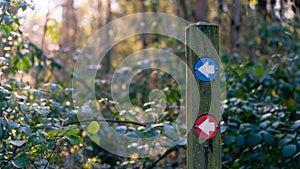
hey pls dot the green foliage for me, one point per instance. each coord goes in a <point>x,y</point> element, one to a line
<point>32,125</point>
<point>261,117</point>
<point>93,127</point>
<point>32,121</point>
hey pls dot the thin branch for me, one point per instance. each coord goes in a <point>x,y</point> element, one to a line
<point>225,166</point>
<point>32,162</point>
<point>52,151</point>
<point>43,44</point>
<point>238,155</point>
<point>10,159</point>
<point>108,121</point>
<point>45,31</point>
<point>16,153</point>
<point>54,147</point>
<point>164,155</point>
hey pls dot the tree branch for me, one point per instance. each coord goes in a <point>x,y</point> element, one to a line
<point>165,155</point>
<point>108,121</point>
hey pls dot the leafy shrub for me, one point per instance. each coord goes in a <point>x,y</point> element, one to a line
<point>262,110</point>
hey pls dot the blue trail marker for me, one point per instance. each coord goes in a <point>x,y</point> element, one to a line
<point>206,69</point>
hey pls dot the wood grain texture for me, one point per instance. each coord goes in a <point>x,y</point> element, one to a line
<point>205,44</point>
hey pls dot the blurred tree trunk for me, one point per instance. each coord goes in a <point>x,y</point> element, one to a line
<point>181,8</point>
<point>297,5</point>
<point>235,24</point>
<point>106,63</point>
<point>99,9</point>
<point>281,7</point>
<point>220,8</point>
<point>201,10</point>
<point>143,36</point>
<point>69,28</point>
<point>184,9</point>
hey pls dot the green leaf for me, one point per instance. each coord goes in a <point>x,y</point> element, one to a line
<point>73,139</point>
<point>272,130</point>
<point>93,127</point>
<point>24,8</point>
<point>134,134</point>
<point>53,86</point>
<point>43,111</point>
<point>289,150</point>
<point>1,131</point>
<point>12,125</point>
<point>284,141</point>
<point>3,121</point>
<point>240,140</point>
<point>268,137</point>
<point>152,133</point>
<point>71,113</point>
<point>25,129</point>
<point>8,28</point>
<point>36,93</point>
<point>23,106</point>
<point>18,143</point>
<point>254,139</point>
<point>24,64</point>
<point>265,124</point>
<point>229,140</point>
<point>53,133</point>
<point>16,21</point>
<point>121,129</point>
<point>254,127</point>
<point>296,125</point>
<point>20,161</point>
<point>75,131</point>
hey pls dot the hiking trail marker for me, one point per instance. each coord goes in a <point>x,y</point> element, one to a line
<point>206,126</point>
<point>203,138</point>
<point>206,69</point>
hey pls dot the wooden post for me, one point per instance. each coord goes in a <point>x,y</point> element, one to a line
<point>202,41</point>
